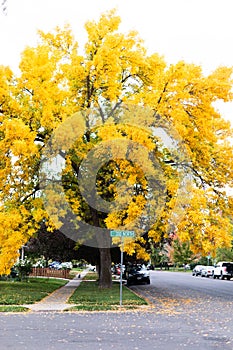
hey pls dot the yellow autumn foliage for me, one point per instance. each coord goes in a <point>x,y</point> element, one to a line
<point>113,101</point>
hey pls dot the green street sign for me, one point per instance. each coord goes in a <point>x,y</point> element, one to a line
<point>116,233</point>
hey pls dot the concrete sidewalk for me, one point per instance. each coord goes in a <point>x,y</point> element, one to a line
<point>57,301</point>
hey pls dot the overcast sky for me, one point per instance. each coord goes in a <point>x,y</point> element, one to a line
<point>198,31</point>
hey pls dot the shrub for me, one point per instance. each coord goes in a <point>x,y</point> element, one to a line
<point>23,268</point>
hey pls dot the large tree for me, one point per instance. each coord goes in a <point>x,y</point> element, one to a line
<point>139,145</point>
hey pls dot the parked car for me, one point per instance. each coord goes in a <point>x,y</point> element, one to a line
<point>197,270</point>
<point>67,265</point>
<point>186,267</point>
<point>92,268</point>
<point>150,267</point>
<point>223,269</point>
<point>136,274</point>
<point>116,269</point>
<point>55,265</point>
<point>207,271</point>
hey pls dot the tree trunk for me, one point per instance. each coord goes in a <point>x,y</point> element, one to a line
<point>105,275</point>
<point>105,260</point>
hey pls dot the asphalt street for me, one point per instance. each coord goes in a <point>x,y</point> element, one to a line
<point>185,312</point>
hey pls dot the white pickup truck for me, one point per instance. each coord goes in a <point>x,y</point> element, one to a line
<point>223,269</point>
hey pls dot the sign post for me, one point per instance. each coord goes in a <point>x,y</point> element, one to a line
<point>121,234</point>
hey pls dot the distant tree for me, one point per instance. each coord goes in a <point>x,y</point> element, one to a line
<point>52,245</point>
<point>182,253</point>
<point>56,246</point>
<point>224,254</point>
<point>158,254</point>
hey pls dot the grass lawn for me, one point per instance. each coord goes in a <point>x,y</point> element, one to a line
<point>88,296</point>
<point>18,293</point>
<point>75,271</point>
<point>13,308</point>
<point>90,276</point>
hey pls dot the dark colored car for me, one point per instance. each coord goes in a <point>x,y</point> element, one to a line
<point>137,274</point>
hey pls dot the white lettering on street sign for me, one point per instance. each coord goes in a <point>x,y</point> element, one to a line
<point>117,233</point>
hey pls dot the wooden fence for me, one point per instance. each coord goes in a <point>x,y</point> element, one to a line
<point>47,272</point>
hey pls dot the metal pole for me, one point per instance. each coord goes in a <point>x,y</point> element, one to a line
<point>122,248</point>
<point>22,252</point>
